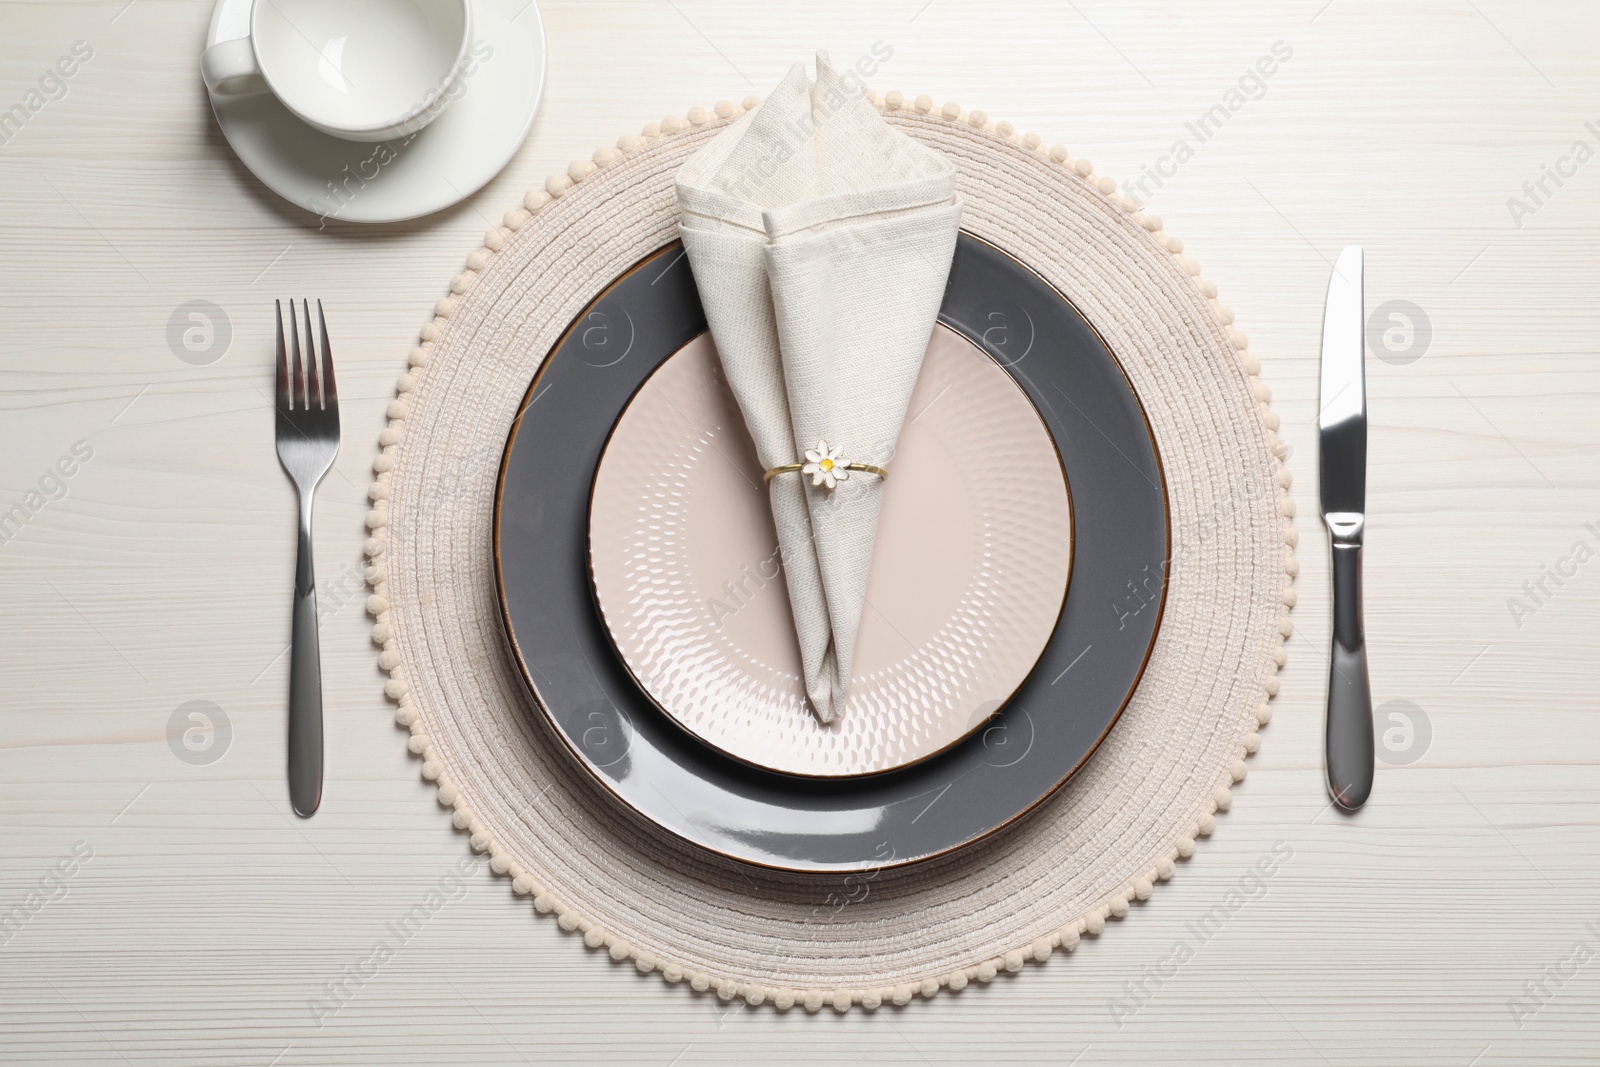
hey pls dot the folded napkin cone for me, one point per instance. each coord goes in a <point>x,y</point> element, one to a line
<point>821,242</point>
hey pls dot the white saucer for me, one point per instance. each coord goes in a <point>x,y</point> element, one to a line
<point>446,161</point>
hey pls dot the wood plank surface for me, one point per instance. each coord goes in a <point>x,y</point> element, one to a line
<point>208,921</point>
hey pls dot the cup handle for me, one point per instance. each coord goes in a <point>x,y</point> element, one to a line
<point>230,69</point>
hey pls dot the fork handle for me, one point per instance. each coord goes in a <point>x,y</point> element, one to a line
<point>1350,743</point>
<point>305,680</point>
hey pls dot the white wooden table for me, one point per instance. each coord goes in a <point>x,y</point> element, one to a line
<point>1454,921</point>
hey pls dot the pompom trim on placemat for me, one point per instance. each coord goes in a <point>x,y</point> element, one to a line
<point>524,882</point>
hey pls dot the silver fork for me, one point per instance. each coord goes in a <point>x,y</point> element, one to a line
<point>308,440</point>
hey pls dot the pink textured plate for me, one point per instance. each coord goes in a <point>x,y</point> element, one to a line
<point>968,577</point>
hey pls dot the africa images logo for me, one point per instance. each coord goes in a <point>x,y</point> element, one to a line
<point>345,187</point>
<point>1250,888</point>
<point>51,487</point>
<point>1251,85</point>
<point>1537,192</point>
<point>51,86</point>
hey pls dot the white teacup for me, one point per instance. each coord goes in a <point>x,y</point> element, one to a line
<point>364,70</point>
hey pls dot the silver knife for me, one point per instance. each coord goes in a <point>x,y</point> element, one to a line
<point>1342,427</point>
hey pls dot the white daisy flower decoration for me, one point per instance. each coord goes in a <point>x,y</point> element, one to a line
<point>825,465</point>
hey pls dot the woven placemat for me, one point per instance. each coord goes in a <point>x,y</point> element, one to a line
<point>646,899</point>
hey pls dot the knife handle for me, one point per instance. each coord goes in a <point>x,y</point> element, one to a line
<point>1350,745</point>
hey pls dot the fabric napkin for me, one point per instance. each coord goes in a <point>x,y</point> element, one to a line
<point>820,240</point>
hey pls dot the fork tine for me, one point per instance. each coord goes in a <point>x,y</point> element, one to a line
<point>329,390</point>
<point>281,372</point>
<point>298,387</point>
<point>313,386</point>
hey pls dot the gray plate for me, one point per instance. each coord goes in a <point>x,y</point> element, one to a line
<point>1052,724</point>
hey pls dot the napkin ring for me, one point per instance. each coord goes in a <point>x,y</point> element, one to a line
<point>826,466</point>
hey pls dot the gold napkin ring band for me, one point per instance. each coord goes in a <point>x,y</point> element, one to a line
<point>826,467</point>
<point>790,468</point>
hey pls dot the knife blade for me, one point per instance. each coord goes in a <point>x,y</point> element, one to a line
<point>1342,432</point>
